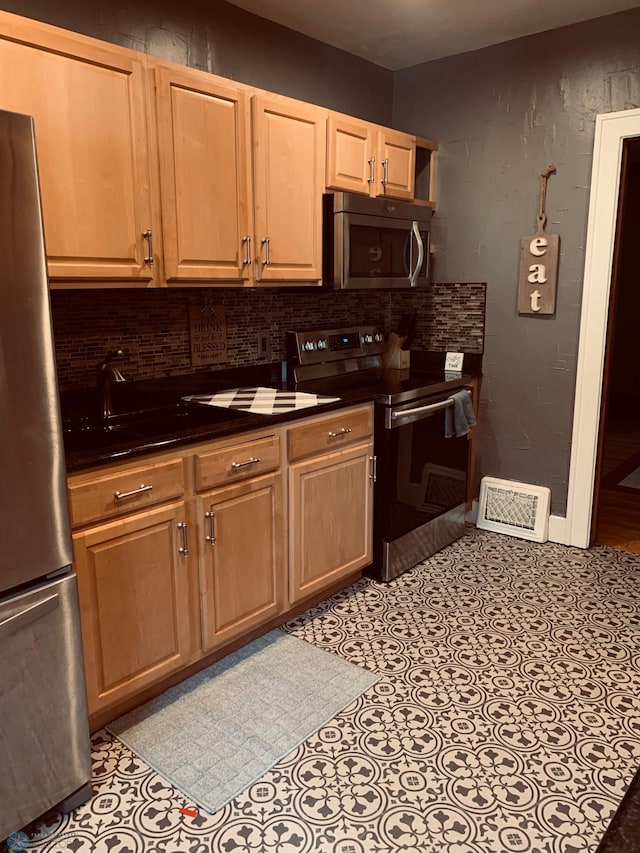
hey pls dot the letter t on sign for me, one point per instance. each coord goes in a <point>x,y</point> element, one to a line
<point>539,253</point>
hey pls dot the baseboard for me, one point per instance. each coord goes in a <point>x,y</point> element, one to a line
<point>559,530</point>
<point>558,527</point>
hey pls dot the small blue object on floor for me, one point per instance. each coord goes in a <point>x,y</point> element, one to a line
<point>460,417</point>
<point>219,731</point>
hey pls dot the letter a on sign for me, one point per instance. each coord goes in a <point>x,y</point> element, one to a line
<point>539,253</point>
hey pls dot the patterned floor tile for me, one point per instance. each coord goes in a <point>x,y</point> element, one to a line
<point>506,720</point>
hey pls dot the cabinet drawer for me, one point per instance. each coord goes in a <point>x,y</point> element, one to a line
<point>331,433</point>
<point>116,493</point>
<point>237,462</point>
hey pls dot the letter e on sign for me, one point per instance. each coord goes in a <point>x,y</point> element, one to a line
<point>538,246</point>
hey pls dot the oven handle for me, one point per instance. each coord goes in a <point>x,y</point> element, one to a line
<point>416,233</point>
<point>426,410</point>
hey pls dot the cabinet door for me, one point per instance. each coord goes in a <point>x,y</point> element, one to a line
<point>241,563</point>
<point>134,608</point>
<point>204,156</point>
<point>87,100</point>
<point>330,512</point>
<point>396,164</point>
<point>288,152</point>
<point>350,155</point>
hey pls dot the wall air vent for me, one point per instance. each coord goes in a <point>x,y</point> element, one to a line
<point>514,508</point>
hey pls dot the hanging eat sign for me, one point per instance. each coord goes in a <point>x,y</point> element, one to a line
<point>539,252</point>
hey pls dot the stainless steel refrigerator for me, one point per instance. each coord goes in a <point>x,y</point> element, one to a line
<point>44,736</point>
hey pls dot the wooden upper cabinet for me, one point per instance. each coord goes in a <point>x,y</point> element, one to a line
<point>288,163</point>
<point>204,177</point>
<point>350,158</point>
<point>87,99</point>
<point>397,162</point>
<point>366,158</point>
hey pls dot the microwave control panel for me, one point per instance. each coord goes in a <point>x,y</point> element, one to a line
<point>315,346</point>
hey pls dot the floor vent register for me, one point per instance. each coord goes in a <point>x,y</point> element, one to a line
<point>517,509</point>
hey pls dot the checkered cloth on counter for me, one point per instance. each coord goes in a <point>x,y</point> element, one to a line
<point>261,400</point>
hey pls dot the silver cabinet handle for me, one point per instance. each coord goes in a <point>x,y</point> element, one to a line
<point>149,238</point>
<point>28,615</point>
<point>340,433</point>
<point>267,257</point>
<point>374,468</point>
<point>372,170</point>
<point>385,172</point>
<point>251,461</point>
<point>413,278</point>
<point>184,550</point>
<point>211,538</point>
<point>247,261</point>
<point>121,496</point>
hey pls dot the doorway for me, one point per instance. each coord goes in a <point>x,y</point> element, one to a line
<point>616,510</point>
<point>611,132</point>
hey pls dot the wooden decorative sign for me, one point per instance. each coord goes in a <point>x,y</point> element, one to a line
<point>539,253</point>
<point>208,326</point>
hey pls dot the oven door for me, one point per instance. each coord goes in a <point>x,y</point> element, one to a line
<point>379,252</point>
<point>421,484</point>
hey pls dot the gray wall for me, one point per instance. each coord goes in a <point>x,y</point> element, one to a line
<point>501,115</point>
<point>222,39</point>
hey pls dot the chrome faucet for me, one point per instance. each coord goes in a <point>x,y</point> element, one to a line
<point>107,374</point>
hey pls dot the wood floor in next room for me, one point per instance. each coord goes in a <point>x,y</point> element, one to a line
<point>617,522</point>
<point>506,719</point>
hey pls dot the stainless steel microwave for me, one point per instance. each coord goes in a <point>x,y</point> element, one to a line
<point>374,243</point>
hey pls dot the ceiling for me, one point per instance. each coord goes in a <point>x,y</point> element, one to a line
<point>400,33</point>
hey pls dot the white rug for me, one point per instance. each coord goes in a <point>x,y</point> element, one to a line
<point>217,732</point>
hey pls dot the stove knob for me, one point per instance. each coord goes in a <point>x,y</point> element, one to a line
<point>379,337</point>
<point>368,339</point>
<point>309,346</point>
<point>321,344</point>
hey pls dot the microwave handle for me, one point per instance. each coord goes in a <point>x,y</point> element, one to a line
<point>413,278</point>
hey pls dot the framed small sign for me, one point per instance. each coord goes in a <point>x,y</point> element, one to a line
<point>208,328</point>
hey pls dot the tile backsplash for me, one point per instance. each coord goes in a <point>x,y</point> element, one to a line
<point>152,326</point>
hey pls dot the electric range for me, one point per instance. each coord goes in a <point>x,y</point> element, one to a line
<point>420,490</point>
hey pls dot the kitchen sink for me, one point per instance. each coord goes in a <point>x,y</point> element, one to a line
<point>94,434</point>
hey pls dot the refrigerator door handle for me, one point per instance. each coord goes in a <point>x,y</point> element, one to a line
<point>30,614</point>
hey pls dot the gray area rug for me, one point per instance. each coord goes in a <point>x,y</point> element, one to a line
<point>219,731</point>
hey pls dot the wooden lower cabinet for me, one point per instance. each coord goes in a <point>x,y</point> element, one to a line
<point>241,563</point>
<point>330,518</point>
<point>148,609</point>
<point>133,584</point>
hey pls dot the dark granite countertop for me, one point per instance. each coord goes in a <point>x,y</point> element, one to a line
<point>158,397</point>
<point>88,442</point>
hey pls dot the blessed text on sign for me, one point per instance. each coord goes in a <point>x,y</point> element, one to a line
<point>208,328</point>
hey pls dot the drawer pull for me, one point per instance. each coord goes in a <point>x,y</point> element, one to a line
<point>251,461</point>
<point>121,496</point>
<point>211,538</point>
<point>340,433</point>
<point>184,550</point>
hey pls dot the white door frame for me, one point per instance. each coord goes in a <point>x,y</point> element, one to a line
<point>611,131</point>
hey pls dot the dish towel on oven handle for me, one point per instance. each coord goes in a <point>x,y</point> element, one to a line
<point>460,417</point>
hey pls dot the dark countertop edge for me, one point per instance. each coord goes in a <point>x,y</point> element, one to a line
<point>244,423</point>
